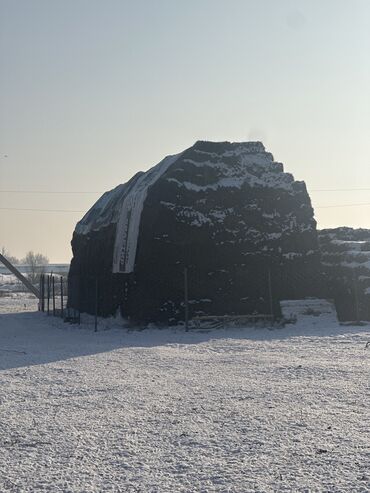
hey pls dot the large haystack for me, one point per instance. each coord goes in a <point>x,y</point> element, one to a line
<point>226,211</point>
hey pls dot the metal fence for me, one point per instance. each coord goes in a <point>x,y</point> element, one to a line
<point>194,294</point>
<point>53,295</point>
<point>54,299</point>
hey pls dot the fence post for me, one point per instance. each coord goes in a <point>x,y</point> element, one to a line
<point>79,299</point>
<point>186,299</point>
<point>53,293</point>
<point>61,298</point>
<point>355,292</point>
<point>48,294</point>
<point>40,303</point>
<point>43,292</point>
<point>40,287</point>
<point>270,295</point>
<point>41,295</point>
<point>96,304</point>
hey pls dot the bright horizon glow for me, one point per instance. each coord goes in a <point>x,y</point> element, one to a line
<point>92,92</point>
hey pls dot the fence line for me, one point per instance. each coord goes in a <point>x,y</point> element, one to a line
<point>259,292</point>
<point>54,299</point>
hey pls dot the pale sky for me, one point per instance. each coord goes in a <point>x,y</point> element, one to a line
<point>93,91</point>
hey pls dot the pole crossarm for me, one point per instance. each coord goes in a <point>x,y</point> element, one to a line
<point>20,276</point>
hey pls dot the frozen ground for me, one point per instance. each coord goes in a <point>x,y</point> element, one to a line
<point>245,410</point>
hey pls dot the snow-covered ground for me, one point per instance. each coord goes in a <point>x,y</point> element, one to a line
<point>239,410</point>
<point>8,282</point>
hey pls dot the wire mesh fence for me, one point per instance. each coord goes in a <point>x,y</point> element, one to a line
<point>54,297</point>
<point>220,298</point>
<point>190,294</point>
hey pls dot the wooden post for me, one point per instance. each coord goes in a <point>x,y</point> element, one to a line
<point>53,293</point>
<point>40,287</point>
<point>61,298</point>
<point>43,292</point>
<point>186,298</point>
<point>355,292</point>
<point>40,302</point>
<point>48,294</point>
<point>41,295</point>
<point>270,295</point>
<point>79,299</point>
<point>96,304</point>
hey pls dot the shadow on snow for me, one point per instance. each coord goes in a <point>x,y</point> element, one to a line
<point>32,338</point>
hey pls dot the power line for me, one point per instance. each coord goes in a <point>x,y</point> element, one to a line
<point>339,190</point>
<point>81,212</point>
<point>340,205</point>
<point>44,191</point>
<point>99,191</point>
<point>39,210</point>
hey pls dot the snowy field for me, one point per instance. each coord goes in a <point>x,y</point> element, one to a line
<point>244,410</point>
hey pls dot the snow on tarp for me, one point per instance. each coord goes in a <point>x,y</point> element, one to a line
<point>123,206</point>
<point>129,220</point>
<point>106,210</point>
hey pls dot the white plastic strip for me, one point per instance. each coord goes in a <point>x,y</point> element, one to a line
<point>128,225</point>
